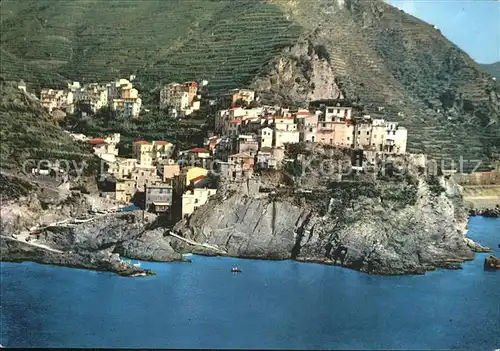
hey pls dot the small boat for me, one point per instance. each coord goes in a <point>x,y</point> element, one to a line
<point>187,255</point>
<point>235,270</point>
<point>137,264</point>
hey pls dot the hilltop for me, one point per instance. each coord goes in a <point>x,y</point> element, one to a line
<point>493,69</point>
<point>393,64</point>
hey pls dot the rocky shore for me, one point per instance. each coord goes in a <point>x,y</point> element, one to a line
<point>379,224</point>
<point>387,224</point>
<point>487,212</point>
<point>96,243</point>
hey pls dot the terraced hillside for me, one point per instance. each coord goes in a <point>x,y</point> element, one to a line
<point>395,65</point>
<point>27,133</point>
<point>226,41</point>
<point>398,67</point>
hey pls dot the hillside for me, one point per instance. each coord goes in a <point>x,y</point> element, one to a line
<point>28,136</point>
<point>395,65</point>
<point>493,69</point>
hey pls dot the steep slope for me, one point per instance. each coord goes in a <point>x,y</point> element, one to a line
<point>27,136</point>
<point>493,69</point>
<point>398,67</point>
<point>395,65</point>
<point>223,41</point>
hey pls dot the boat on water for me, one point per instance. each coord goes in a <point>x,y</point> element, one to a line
<point>137,264</point>
<point>235,270</point>
<point>187,255</point>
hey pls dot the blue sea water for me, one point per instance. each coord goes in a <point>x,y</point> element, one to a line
<point>270,305</point>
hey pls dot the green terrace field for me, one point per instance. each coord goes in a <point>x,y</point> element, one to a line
<point>226,42</point>
<point>27,133</point>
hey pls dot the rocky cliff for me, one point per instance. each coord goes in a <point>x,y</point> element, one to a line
<point>387,225</point>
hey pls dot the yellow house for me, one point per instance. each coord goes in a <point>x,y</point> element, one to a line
<point>125,189</point>
<point>195,174</point>
<point>122,167</point>
<point>142,151</point>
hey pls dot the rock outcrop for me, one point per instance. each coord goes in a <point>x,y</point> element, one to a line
<point>96,244</point>
<point>16,251</point>
<point>491,263</point>
<point>390,225</point>
<point>487,212</point>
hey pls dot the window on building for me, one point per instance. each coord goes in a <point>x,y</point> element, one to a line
<point>310,129</point>
<point>338,110</point>
<point>324,125</point>
<point>394,132</point>
<point>367,133</point>
<point>348,138</point>
<point>359,132</point>
<point>330,110</point>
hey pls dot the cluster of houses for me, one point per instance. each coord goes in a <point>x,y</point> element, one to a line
<point>256,136</point>
<point>182,99</point>
<point>151,178</point>
<point>119,95</point>
<point>246,137</point>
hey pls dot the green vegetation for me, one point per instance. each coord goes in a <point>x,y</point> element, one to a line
<point>224,41</point>
<point>378,55</point>
<point>154,125</point>
<point>26,132</point>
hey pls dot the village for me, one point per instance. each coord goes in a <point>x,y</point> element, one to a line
<point>247,136</point>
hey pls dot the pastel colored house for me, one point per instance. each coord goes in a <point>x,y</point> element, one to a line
<point>142,151</point>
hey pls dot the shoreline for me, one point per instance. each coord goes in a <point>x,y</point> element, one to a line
<point>114,263</point>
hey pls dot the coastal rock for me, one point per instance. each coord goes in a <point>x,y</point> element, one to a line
<point>13,250</point>
<point>491,263</point>
<point>124,234</point>
<point>93,244</point>
<point>488,212</point>
<point>476,247</point>
<point>387,226</point>
<point>150,246</point>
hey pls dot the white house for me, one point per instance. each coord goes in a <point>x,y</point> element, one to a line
<point>195,198</point>
<point>286,131</point>
<point>266,137</point>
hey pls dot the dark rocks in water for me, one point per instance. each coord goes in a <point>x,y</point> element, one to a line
<point>491,263</point>
<point>491,213</point>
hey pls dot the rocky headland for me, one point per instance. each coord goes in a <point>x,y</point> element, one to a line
<point>386,222</point>
<point>396,219</point>
<point>95,242</point>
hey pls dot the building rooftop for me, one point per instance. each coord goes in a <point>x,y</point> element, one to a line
<point>197,179</point>
<point>197,150</point>
<point>97,141</point>
<point>161,142</point>
<point>142,142</point>
<point>302,113</point>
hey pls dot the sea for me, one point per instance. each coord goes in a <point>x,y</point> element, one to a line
<point>270,304</point>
